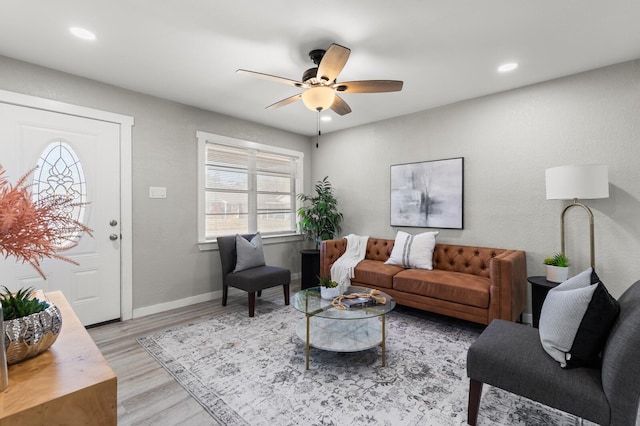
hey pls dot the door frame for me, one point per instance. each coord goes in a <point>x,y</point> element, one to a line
<point>126,201</point>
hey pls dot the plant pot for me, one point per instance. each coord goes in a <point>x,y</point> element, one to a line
<point>329,293</point>
<point>29,336</point>
<point>557,274</point>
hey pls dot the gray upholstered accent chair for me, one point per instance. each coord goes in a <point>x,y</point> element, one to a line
<point>510,356</point>
<point>252,280</point>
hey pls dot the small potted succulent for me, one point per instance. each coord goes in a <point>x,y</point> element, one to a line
<point>557,268</point>
<point>31,325</point>
<point>328,289</point>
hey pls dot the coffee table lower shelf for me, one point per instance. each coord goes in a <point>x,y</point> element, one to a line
<point>352,335</point>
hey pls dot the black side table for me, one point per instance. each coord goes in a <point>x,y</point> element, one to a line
<point>310,268</point>
<point>539,289</point>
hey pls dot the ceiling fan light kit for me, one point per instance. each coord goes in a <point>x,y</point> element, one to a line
<point>320,83</point>
<point>318,98</point>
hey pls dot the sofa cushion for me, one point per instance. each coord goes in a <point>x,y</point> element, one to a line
<point>467,289</point>
<point>413,251</point>
<point>379,249</point>
<point>375,273</point>
<point>467,259</point>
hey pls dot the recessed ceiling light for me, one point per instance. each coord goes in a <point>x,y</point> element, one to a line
<point>325,118</point>
<point>82,33</point>
<point>508,67</point>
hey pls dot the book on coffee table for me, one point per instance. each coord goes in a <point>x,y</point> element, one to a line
<point>358,302</point>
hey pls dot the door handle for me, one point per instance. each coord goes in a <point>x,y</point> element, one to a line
<point>113,237</point>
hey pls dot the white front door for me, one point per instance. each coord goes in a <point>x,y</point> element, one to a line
<point>29,135</point>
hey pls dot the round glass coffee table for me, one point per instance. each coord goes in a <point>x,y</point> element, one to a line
<point>329,328</point>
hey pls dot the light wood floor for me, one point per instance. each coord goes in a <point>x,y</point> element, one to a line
<point>147,394</point>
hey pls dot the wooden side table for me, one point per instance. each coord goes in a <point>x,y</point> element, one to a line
<point>539,289</point>
<point>68,384</point>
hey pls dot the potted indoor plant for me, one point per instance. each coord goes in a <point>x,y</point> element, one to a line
<point>557,268</point>
<point>328,289</point>
<point>319,216</point>
<point>319,219</point>
<point>33,229</point>
<point>31,325</point>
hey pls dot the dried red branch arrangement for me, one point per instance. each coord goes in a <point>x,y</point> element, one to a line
<point>32,230</point>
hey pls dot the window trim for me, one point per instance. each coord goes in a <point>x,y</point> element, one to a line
<point>202,137</point>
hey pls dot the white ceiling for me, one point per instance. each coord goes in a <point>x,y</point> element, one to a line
<point>445,51</point>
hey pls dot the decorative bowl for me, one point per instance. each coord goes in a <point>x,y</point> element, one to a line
<point>330,292</point>
<point>28,336</point>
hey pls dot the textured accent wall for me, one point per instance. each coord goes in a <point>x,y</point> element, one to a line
<point>507,141</point>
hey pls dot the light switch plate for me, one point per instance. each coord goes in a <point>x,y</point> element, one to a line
<point>157,192</point>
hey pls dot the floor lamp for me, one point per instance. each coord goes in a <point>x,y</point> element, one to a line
<point>588,181</point>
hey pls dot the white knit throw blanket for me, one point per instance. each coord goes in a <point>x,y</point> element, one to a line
<point>343,269</point>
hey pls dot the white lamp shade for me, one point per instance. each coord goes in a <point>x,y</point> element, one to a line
<point>318,98</point>
<point>587,181</point>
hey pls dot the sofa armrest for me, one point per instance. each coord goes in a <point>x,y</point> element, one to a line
<point>508,273</point>
<point>330,251</point>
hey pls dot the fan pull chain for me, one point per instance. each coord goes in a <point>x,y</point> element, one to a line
<point>318,127</point>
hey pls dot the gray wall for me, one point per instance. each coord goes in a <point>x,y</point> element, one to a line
<point>167,264</point>
<point>507,141</point>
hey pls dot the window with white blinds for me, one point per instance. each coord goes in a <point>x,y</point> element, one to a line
<point>246,187</point>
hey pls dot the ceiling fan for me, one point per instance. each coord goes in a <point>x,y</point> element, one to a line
<point>320,84</point>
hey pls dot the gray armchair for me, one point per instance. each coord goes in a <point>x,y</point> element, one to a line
<point>252,280</point>
<point>509,356</point>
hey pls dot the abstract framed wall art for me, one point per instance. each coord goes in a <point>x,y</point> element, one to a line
<point>428,194</point>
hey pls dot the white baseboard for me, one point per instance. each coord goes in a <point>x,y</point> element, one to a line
<point>175,304</point>
<point>187,301</point>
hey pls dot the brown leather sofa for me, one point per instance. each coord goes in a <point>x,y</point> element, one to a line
<point>472,283</point>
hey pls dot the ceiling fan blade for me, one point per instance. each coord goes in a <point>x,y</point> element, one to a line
<point>340,107</point>
<point>285,101</point>
<point>369,86</point>
<point>332,62</point>
<point>273,78</point>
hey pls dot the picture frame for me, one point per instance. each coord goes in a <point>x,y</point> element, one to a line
<point>428,194</point>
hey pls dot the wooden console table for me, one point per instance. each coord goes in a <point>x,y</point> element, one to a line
<point>69,384</point>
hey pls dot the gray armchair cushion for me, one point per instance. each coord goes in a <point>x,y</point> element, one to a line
<point>509,356</point>
<point>249,252</point>
<point>259,278</point>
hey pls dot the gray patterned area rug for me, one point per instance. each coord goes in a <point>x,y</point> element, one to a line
<point>251,371</point>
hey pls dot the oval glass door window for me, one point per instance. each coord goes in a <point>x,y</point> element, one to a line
<point>59,173</point>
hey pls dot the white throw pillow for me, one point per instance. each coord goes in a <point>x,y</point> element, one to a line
<point>413,251</point>
<point>249,254</point>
